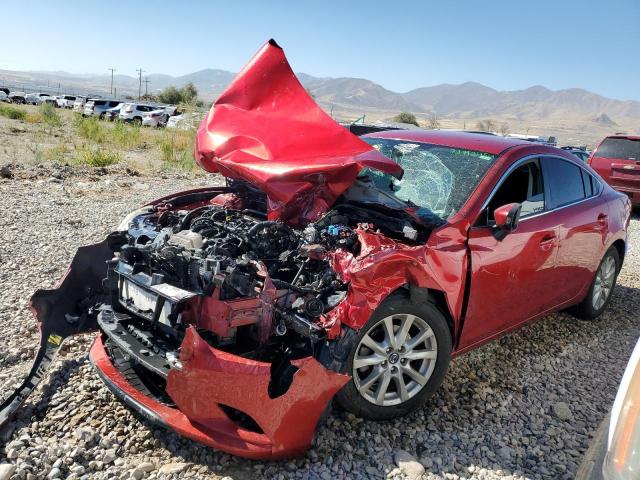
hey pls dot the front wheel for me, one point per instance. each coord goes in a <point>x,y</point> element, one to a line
<point>601,288</point>
<point>399,358</point>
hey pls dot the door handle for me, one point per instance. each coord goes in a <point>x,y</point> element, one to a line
<point>548,241</point>
<point>602,221</point>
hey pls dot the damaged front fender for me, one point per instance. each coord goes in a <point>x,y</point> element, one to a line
<point>60,313</point>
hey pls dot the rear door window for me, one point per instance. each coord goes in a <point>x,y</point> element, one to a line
<point>100,103</point>
<point>564,181</point>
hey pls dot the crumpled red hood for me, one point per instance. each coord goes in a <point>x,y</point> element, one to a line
<point>266,129</point>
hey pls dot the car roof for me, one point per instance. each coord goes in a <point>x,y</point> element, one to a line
<point>493,144</point>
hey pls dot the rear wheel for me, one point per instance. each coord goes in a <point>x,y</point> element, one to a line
<point>398,359</point>
<point>601,288</point>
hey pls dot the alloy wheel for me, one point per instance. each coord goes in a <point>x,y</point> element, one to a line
<point>395,359</point>
<point>605,278</point>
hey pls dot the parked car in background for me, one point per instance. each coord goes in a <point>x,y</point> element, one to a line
<point>581,152</point>
<point>96,107</point>
<point>617,160</point>
<point>4,97</point>
<point>545,140</point>
<point>50,100</point>
<point>614,453</point>
<point>185,121</point>
<point>155,118</point>
<point>134,112</point>
<point>5,90</point>
<point>66,101</point>
<point>32,99</point>
<point>17,97</point>
<point>112,114</point>
<point>78,105</point>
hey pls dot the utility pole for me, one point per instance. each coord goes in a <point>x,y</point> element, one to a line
<point>140,70</point>
<point>146,86</point>
<point>112,70</point>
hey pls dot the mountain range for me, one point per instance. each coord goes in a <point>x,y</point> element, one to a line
<point>536,106</point>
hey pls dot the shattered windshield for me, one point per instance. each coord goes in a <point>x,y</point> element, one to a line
<point>437,179</point>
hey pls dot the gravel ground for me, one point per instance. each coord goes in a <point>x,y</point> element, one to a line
<point>525,406</point>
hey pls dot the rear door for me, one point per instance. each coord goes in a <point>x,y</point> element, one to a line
<point>582,221</point>
<point>513,279</point>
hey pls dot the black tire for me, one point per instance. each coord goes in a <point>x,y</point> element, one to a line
<point>353,401</point>
<point>585,310</point>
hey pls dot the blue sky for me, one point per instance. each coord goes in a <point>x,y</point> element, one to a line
<point>401,45</point>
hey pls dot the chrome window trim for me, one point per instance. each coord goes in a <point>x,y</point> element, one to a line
<point>540,156</point>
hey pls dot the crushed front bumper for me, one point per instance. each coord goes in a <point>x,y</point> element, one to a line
<point>210,383</point>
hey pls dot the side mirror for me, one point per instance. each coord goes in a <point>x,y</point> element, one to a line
<point>507,218</point>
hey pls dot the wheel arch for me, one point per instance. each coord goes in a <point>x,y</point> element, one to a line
<point>417,295</point>
<point>621,247</point>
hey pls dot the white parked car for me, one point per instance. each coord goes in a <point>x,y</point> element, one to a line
<point>78,105</point>
<point>156,118</point>
<point>66,101</point>
<point>133,112</point>
<point>615,450</point>
<point>185,121</point>
<point>3,96</point>
<point>112,114</point>
<point>96,107</point>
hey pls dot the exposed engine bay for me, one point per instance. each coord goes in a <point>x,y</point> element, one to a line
<point>252,287</point>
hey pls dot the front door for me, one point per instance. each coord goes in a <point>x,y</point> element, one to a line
<point>513,279</point>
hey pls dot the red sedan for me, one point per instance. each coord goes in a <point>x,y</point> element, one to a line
<point>330,265</point>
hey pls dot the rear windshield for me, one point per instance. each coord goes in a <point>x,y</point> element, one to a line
<point>623,148</point>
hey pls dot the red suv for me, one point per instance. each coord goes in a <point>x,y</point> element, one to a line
<point>617,160</point>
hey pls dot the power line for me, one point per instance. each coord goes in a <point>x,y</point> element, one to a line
<point>112,70</point>
<point>140,70</point>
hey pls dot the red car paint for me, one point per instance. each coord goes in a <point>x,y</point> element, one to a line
<point>210,377</point>
<point>273,134</point>
<point>488,286</point>
<point>623,174</point>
